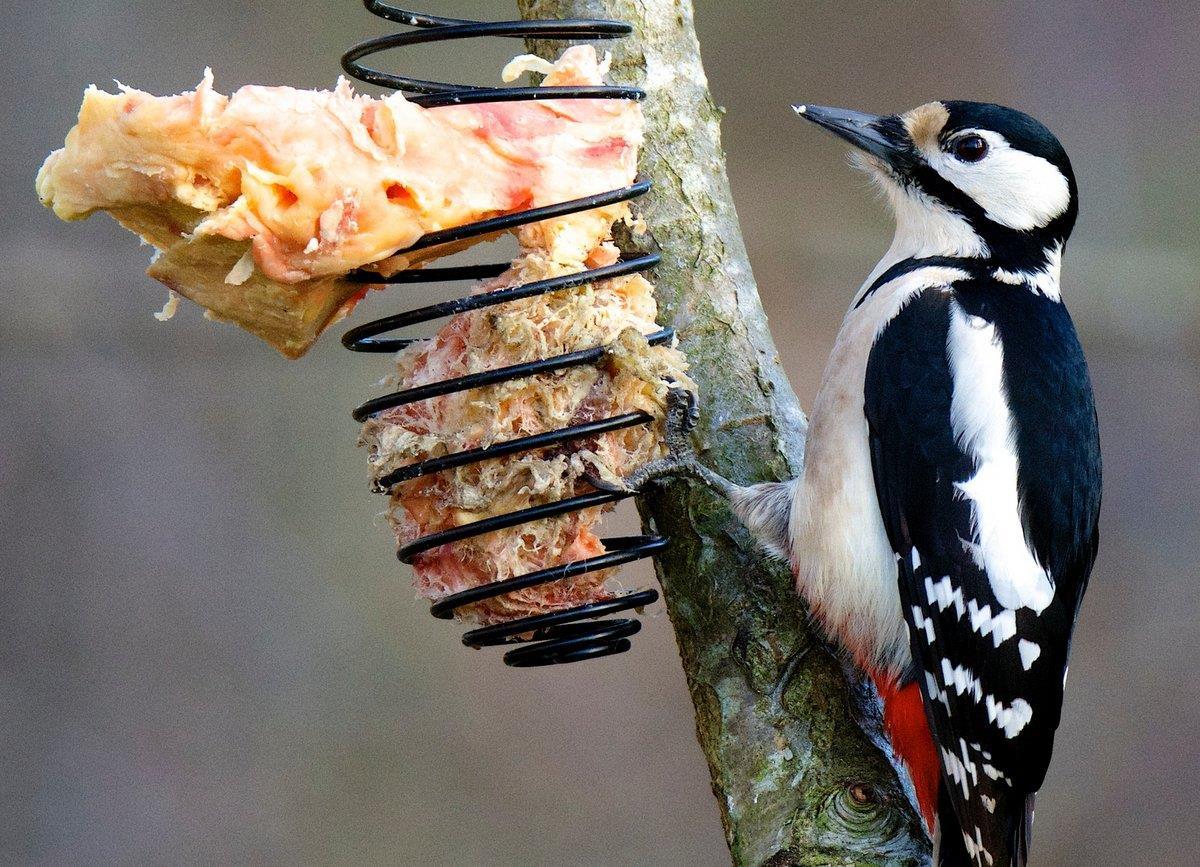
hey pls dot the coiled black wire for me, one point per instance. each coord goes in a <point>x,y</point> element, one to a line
<point>560,636</point>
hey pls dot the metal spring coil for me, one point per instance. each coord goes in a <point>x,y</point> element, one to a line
<point>576,633</point>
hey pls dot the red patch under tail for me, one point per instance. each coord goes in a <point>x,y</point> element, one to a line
<point>908,729</point>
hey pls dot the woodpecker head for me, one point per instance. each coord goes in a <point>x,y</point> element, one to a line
<point>966,179</point>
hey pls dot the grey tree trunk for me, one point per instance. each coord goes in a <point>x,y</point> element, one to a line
<point>799,768</point>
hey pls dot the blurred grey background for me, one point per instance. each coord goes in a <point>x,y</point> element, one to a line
<point>208,653</point>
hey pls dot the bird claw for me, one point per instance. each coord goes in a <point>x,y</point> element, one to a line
<point>682,416</point>
<point>602,485</point>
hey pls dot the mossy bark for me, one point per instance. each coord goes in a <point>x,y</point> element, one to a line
<point>798,766</point>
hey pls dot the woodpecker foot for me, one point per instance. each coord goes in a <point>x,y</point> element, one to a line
<point>603,484</point>
<point>683,412</point>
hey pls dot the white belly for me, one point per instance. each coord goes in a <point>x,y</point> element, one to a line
<point>844,563</point>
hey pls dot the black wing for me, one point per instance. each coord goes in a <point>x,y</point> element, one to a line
<point>992,677</point>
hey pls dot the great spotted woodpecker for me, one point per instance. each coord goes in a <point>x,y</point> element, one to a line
<point>945,524</point>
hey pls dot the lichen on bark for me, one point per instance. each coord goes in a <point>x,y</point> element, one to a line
<point>801,772</point>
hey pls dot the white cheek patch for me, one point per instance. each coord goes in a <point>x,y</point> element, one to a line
<point>1016,189</point>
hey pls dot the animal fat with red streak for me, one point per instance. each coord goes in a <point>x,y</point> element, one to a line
<point>261,202</point>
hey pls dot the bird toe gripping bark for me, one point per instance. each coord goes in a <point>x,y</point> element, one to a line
<point>683,413</point>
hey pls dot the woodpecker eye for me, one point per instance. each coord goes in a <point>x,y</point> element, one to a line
<point>971,148</point>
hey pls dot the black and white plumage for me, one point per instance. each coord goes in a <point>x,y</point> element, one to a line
<point>983,448</point>
<point>945,524</point>
<point>988,478</point>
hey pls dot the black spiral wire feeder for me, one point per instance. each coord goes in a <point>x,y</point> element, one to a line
<point>560,636</point>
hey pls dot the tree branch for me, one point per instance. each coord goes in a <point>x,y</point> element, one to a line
<point>798,764</point>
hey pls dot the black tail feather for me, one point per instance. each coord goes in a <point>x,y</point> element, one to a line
<point>1022,834</point>
<point>950,847</point>
<point>949,850</point>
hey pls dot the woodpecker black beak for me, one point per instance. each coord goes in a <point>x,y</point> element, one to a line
<point>872,133</point>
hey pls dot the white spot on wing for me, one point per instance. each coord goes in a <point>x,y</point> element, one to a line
<point>975,850</point>
<point>1010,719</point>
<point>923,622</point>
<point>1022,713</point>
<point>1029,652</point>
<point>961,768</point>
<point>963,680</point>
<point>945,594</point>
<point>981,618</point>
<point>1001,627</point>
<point>982,423</point>
<point>994,773</point>
<point>1004,626</point>
<point>935,692</point>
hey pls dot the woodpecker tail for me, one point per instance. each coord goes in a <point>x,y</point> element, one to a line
<point>950,844</point>
<point>1023,832</point>
<point>949,848</point>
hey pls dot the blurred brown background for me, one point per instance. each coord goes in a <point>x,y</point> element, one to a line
<point>208,653</point>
